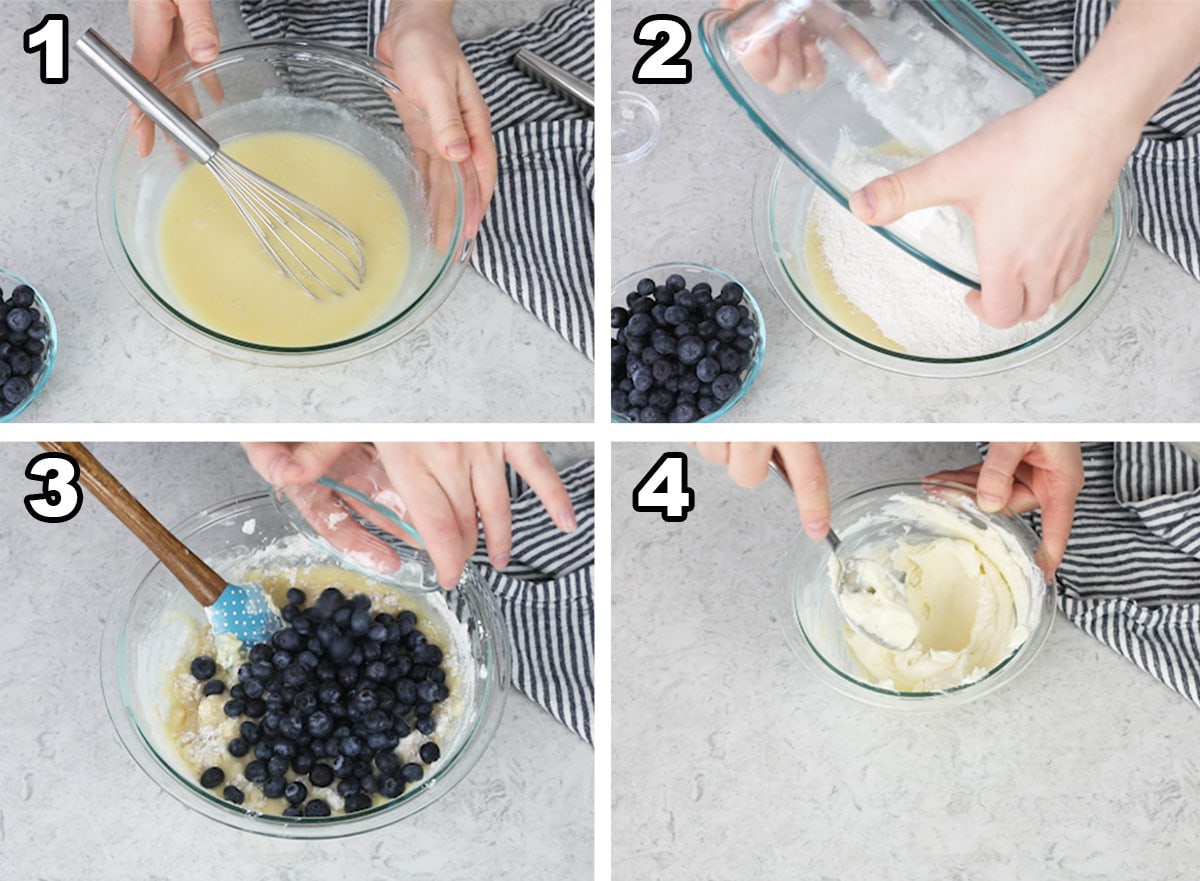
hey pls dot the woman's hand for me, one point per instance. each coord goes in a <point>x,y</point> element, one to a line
<point>1026,476</point>
<point>428,65</point>
<point>801,463</point>
<point>446,488</point>
<point>165,34</point>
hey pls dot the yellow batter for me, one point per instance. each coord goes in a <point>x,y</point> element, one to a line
<point>227,282</point>
<point>200,730</point>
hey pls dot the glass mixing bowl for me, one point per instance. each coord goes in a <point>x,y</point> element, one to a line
<point>8,281</point>
<point>295,86</point>
<point>152,617</point>
<point>694,273</point>
<point>815,629</point>
<point>782,199</point>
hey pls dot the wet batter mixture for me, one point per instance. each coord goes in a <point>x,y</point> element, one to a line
<point>225,280</point>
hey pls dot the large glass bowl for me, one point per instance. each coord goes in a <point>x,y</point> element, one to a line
<point>296,86</point>
<point>694,273</point>
<point>782,199</point>
<point>148,629</point>
<point>8,281</point>
<point>815,628</point>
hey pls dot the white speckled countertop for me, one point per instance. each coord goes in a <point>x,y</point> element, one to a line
<point>480,358</point>
<point>731,761</point>
<point>74,805</point>
<point>691,199</point>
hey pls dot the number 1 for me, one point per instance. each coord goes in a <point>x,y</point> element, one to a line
<point>49,37</point>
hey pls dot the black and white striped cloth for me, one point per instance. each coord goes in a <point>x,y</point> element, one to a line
<point>1131,573</point>
<point>1057,34</point>
<point>536,242</point>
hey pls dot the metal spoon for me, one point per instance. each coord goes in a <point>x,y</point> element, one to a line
<point>869,595</point>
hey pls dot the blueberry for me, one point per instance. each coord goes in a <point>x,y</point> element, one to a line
<point>16,389</point>
<point>213,686</point>
<point>38,330</point>
<point>390,787</point>
<point>357,802</point>
<point>640,325</point>
<point>308,660</point>
<point>651,414</point>
<point>249,732</point>
<point>620,401</point>
<point>296,792</point>
<point>642,381</point>
<point>685,412</point>
<point>659,313</point>
<point>233,794</point>
<point>747,328</point>
<point>646,286</point>
<point>707,405</point>
<point>274,787</point>
<point>5,370</point>
<point>690,350</point>
<point>261,652</point>
<point>663,341</point>
<point>730,361</point>
<point>731,293</point>
<point>426,725</point>
<point>263,670</point>
<point>288,640</point>
<point>675,282</point>
<point>293,811</point>
<point>204,667</point>
<point>296,596</point>
<point>620,316</point>
<point>411,773</point>
<point>707,329</point>
<point>316,808</point>
<point>291,726</point>
<point>22,295</point>
<point>427,691</point>
<point>687,328</point>
<point>238,747</point>
<point>406,620</point>
<point>430,752</point>
<point>743,344</point>
<point>685,298</point>
<point>253,688</point>
<point>728,316</point>
<point>303,762</point>
<point>255,771</point>
<point>212,778</point>
<point>234,708</point>
<point>641,306</point>
<point>19,319</point>
<point>676,314</point>
<point>321,775</point>
<point>708,369</point>
<point>725,386</point>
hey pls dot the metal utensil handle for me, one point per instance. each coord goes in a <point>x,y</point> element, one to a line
<point>578,90</point>
<point>776,468</point>
<point>199,144</point>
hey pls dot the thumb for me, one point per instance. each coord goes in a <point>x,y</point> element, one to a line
<point>449,134</point>
<point>887,199</point>
<point>995,483</point>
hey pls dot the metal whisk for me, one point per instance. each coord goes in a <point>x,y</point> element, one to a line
<point>299,237</point>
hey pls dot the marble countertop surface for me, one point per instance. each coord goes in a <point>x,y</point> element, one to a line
<point>730,760</point>
<point>74,805</point>
<point>480,358</point>
<point>691,199</point>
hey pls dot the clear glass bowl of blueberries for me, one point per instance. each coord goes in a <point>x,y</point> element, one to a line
<point>28,345</point>
<point>688,342</point>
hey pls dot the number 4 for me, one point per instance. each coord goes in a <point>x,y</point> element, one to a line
<point>49,37</point>
<point>665,489</point>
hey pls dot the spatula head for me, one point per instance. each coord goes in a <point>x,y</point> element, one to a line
<point>245,612</point>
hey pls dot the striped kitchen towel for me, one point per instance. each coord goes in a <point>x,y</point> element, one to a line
<point>1131,573</point>
<point>536,242</point>
<point>1165,165</point>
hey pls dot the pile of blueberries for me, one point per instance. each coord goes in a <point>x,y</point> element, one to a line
<point>23,333</point>
<point>329,698</point>
<point>680,354</point>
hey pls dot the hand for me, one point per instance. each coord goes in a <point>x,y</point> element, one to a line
<point>1035,182</point>
<point>1026,476</point>
<point>783,54</point>
<point>166,33</point>
<point>446,490</point>
<point>801,463</point>
<point>419,44</point>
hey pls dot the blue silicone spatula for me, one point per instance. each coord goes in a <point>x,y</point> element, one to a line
<point>243,611</point>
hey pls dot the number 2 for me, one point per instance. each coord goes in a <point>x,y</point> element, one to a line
<point>665,489</point>
<point>49,38</point>
<point>670,36</point>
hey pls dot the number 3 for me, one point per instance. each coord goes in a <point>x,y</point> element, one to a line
<point>670,37</point>
<point>60,497</point>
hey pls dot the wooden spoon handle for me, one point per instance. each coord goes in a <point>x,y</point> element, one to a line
<point>193,573</point>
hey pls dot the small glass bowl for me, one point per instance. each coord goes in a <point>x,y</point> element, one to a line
<point>636,127</point>
<point>8,281</point>
<point>782,199</point>
<point>289,85</point>
<point>695,273</point>
<point>152,617</point>
<point>815,628</point>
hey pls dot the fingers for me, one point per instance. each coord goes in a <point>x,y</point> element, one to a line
<point>995,482</point>
<point>440,102</point>
<point>748,463</point>
<point>268,459</point>
<point>495,511</point>
<point>714,453</point>
<point>200,38</point>
<point>432,514</point>
<point>810,485</point>
<point>529,460</point>
<point>932,181</point>
<point>1021,501</point>
<point>477,120</point>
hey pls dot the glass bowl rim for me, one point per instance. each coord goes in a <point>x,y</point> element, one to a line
<point>49,357</point>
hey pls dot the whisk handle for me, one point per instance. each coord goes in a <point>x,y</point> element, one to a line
<point>199,144</point>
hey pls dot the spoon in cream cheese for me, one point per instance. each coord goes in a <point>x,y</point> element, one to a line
<point>868,594</point>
